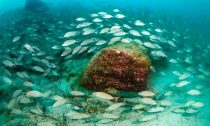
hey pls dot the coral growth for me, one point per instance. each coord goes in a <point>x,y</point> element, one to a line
<point>122,67</point>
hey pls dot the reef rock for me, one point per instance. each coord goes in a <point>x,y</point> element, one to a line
<point>35,5</point>
<point>123,67</point>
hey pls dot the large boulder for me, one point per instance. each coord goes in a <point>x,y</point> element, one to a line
<point>35,5</point>
<point>123,67</point>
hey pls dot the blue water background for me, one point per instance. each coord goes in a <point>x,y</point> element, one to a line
<point>194,11</point>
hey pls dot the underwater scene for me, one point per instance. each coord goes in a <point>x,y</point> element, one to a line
<point>104,63</point>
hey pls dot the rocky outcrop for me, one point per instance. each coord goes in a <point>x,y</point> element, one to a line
<point>123,67</point>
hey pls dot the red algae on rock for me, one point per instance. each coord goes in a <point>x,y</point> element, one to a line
<point>123,67</point>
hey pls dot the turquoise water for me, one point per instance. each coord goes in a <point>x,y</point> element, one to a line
<point>40,75</point>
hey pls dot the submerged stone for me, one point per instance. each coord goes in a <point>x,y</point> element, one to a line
<point>123,67</point>
<point>35,5</point>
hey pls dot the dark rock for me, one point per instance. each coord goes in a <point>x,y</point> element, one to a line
<point>35,5</point>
